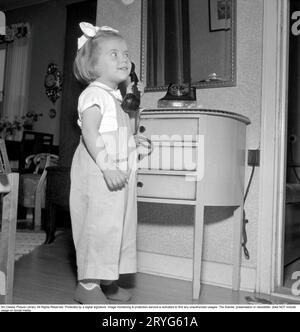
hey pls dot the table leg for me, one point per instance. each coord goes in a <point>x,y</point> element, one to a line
<point>237,248</point>
<point>198,248</point>
<point>38,211</point>
<point>30,217</point>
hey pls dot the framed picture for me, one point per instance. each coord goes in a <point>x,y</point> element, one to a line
<point>220,14</point>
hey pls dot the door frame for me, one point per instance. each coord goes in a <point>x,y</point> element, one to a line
<point>3,47</point>
<point>273,145</point>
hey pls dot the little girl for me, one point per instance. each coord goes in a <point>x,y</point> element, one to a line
<point>103,201</point>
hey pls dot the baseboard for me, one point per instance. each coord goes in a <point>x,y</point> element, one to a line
<point>215,274</point>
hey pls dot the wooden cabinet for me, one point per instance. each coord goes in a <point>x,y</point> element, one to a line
<point>198,159</point>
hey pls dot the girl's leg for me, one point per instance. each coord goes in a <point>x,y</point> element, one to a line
<point>97,215</point>
<point>128,252</point>
<point>87,291</point>
<point>97,223</point>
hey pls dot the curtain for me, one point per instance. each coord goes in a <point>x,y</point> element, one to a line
<point>168,45</point>
<point>16,78</point>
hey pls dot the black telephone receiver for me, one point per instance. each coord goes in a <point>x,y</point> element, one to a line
<point>131,101</point>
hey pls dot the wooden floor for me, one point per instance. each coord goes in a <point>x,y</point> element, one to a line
<point>48,276</point>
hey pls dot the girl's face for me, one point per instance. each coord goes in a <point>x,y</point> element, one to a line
<point>113,63</point>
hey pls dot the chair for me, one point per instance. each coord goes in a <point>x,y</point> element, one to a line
<point>33,186</point>
<point>9,183</point>
<point>34,143</point>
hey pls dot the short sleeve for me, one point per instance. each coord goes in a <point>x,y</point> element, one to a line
<point>95,96</point>
<point>90,97</point>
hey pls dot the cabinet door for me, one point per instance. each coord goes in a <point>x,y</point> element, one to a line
<point>170,129</point>
<point>166,186</point>
<point>171,156</point>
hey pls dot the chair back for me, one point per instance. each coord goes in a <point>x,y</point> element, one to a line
<point>34,143</point>
<point>4,169</point>
<point>4,162</point>
<point>32,193</point>
<point>41,161</point>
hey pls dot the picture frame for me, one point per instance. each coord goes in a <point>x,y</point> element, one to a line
<point>220,13</point>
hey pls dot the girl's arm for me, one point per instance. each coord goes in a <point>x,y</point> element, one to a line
<point>91,120</point>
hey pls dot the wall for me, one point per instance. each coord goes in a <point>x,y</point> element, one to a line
<point>245,98</point>
<point>48,24</point>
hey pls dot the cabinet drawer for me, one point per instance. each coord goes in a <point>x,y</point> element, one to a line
<point>166,186</point>
<point>169,129</point>
<point>171,156</point>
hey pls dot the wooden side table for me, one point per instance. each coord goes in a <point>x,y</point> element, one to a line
<point>198,160</point>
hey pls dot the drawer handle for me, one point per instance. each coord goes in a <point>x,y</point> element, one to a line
<point>142,129</point>
<point>140,184</point>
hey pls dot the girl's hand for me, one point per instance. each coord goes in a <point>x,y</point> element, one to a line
<point>129,86</point>
<point>140,86</point>
<point>114,178</point>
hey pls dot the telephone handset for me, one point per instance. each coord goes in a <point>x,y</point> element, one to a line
<point>131,101</point>
<point>131,105</point>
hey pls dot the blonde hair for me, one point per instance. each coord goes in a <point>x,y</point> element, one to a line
<point>86,59</point>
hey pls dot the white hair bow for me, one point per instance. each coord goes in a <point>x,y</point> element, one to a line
<point>90,31</point>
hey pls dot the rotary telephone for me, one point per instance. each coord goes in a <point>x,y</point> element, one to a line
<point>132,101</point>
<point>184,92</point>
<point>131,105</point>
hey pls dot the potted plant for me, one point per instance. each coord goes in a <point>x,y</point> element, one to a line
<point>9,129</point>
<point>3,125</point>
<point>30,118</point>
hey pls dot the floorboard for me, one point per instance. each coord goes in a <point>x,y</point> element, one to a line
<point>48,276</point>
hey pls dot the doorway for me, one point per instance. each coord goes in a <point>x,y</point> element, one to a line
<point>291,261</point>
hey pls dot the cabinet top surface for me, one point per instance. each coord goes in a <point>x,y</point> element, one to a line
<point>195,111</point>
